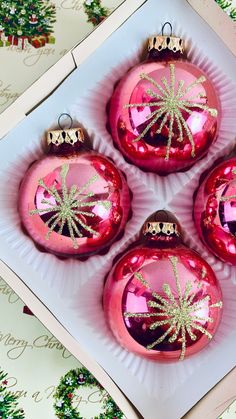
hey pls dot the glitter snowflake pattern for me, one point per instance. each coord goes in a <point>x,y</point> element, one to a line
<point>69,207</point>
<point>171,101</point>
<point>179,313</point>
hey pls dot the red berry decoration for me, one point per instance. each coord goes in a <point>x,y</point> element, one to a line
<point>161,299</point>
<point>164,113</point>
<point>215,211</point>
<point>73,202</point>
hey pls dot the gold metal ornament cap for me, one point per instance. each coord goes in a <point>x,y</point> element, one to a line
<point>161,227</point>
<point>166,42</point>
<point>68,136</point>
<point>156,227</point>
<point>65,135</point>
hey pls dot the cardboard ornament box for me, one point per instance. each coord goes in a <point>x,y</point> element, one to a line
<point>80,84</point>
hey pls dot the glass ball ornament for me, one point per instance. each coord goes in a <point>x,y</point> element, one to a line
<point>74,201</point>
<point>162,301</point>
<point>215,211</point>
<point>164,113</point>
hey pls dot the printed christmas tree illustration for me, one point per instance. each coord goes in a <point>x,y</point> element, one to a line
<point>8,401</point>
<point>95,11</point>
<point>26,18</point>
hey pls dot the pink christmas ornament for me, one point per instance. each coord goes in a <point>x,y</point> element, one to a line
<point>161,299</point>
<point>164,113</point>
<point>73,202</point>
<point>215,211</point>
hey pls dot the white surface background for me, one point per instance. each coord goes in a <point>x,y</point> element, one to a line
<point>73,290</point>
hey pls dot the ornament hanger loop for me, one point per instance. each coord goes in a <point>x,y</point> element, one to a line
<point>67,117</point>
<point>163,27</point>
<point>165,41</point>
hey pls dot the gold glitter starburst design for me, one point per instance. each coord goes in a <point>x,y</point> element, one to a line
<point>171,101</point>
<point>227,198</point>
<point>179,313</point>
<point>68,207</point>
<point>230,197</point>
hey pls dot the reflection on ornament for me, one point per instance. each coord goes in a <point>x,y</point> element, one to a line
<point>75,197</point>
<point>227,198</point>
<point>68,208</point>
<point>215,211</point>
<point>179,313</point>
<point>171,106</point>
<point>164,113</point>
<point>161,299</point>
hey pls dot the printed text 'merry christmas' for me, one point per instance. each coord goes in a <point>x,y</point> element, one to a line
<point>18,346</point>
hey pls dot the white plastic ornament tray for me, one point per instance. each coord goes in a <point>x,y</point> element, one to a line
<point>72,290</point>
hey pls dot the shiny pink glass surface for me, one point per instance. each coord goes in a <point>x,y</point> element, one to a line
<point>215,211</point>
<point>107,222</point>
<point>123,293</point>
<point>126,124</point>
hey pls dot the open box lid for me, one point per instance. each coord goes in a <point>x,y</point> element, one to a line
<point>52,78</point>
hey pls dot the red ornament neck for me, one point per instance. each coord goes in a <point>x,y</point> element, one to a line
<point>165,55</point>
<point>65,149</point>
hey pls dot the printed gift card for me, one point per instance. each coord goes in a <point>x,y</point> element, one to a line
<point>35,34</point>
<point>230,412</point>
<point>39,378</point>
